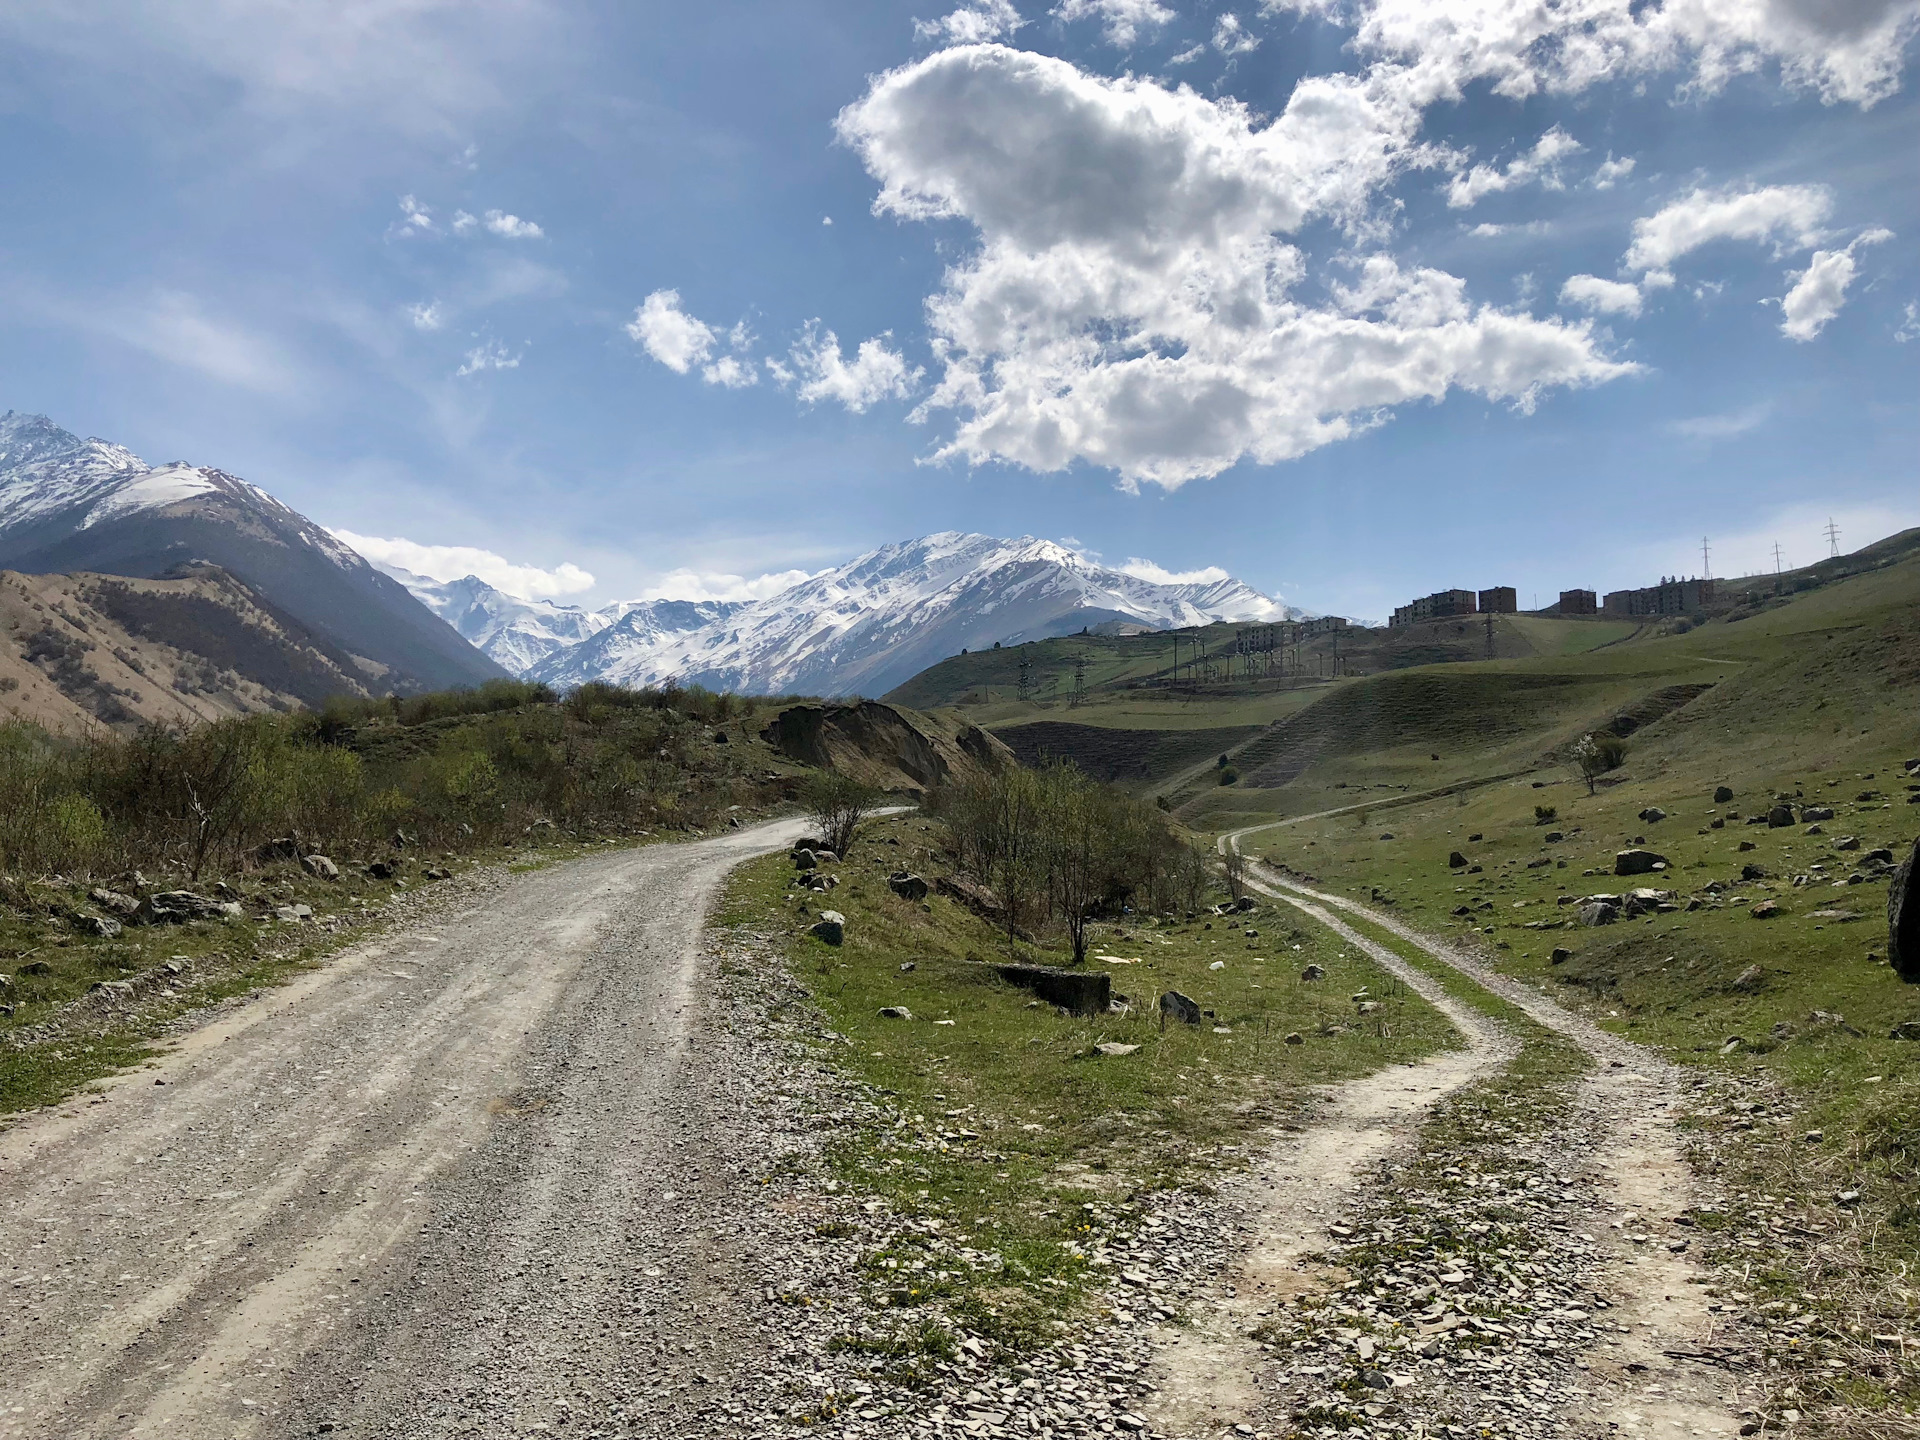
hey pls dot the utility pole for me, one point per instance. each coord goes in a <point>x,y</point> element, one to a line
<point>1833,539</point>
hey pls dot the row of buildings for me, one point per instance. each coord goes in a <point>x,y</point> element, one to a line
<point>1446,604</point>
<point>1672,596</point>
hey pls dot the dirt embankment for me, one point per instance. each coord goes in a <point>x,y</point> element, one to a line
<point>886,746</point>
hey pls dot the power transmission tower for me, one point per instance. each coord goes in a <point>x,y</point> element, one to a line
<point>1026,680</point>
<point>1776,557</point>
<point>1079,696</point>
<point>1832,533</point>
<point>1706,569</point>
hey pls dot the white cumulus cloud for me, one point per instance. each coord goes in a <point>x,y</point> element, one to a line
<point>1542,164</point>
<point>685,584</point>
<point>1122,21</point>
<point>427,315</point>
<point>1821,289</point>
<point>1850,51</point>
<point>1603,297</point>
<point>1230,37</point>
<point>680,342</point>
<point>1160,575</point>
<point>512,227</point>
<point>415,218</point>
<point>971,24</point>
<point>1786,216</point>
<point>818,370</point>
<point>454,562</point>
<point>1610,172</point>
<point>1129,303</point>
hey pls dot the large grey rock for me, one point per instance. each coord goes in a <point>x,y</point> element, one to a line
<point>1598,913</point>
<point>1903,919</point>
<point>907,886</point>
<point>1653,814</point>
<point>1175,1006</point>
<point>805,859</point>
<point>320,867</point>
<point>114,900</point>
<point>1313,972</point>
<point>1780,816</point>
<point>830,929</point>
<point>1456,861</point>
<point>1114,1047</point>
<point>176,907</point>
<point>1814,814</point>
<point>1637,862</point>
<point>100,926</point>
<point>1722,794</point>
<point>895,1012</point>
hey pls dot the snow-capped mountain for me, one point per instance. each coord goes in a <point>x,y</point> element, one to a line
<point>515,634</point>
<point>878,620</point>
<point>69,505</point>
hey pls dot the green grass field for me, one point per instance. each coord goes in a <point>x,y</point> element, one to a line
<point>1011,1123</point>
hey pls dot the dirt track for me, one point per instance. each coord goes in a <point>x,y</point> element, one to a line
<point>488,1177</point>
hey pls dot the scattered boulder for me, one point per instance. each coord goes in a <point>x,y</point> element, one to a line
<point>807,842</point>
<point>1114,1047</point>
<point>1722,794</point>
<point>379,870</point>
<point>320,867</point>
<point>36,967</point>
<point>293,914</point>
<point>719,737</point>
<point>1779,817</point>
<point>1847,842</point>
<point>1753,872</point>
<point>1081,992</point>
<point>1903,919</point>
<point>99,926</point>
<point>1175,1006</point>
<point>287,847</point>
<point>114,900</point>
<point>895,1012</point>
<point>1456,861</point>
<point>1814,813</point>
<point>1905,1030</point>
<point>1474,838</point>
<point>1313,972</point>
<point>177,907</point>
<point>1746,845</point>
<point>969,892</point>
<point>805,859</point>
<point>907,886</point>
<point>1597,912</point>
<point>1638,862</point>
<point>1552,837</point>
<point>1765,910</point>
<point>1560,955</point>
<point>1294,1037</point>
<point>1245,905</point>
<point>1750,979</point>
<point>1877,857</point>
<point>825,856</point>
<point>1653,814</point>
<point>437,872</point>
<point>830,929</point>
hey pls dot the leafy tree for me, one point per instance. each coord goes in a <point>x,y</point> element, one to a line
<point>1597,754</point>
<point>837,805</point>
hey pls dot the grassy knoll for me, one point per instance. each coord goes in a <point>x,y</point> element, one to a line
<point>1791,1011</point>
<point>1004,1122</point>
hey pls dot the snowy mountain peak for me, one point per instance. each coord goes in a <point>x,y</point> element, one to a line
<point>874,622</point>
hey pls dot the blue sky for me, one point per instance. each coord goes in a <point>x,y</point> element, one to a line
<point>1352,302</point>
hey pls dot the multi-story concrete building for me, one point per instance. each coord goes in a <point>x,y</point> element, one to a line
<point>1441,605</point>
<point>1578,602</point>
<point>1672,596</point>
<point>1500,600</point>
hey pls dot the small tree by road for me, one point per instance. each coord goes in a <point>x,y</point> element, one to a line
<point>837,804</point>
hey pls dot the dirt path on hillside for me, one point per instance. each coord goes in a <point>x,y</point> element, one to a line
<point>489,1177</point>
<point>1646,1376</point>
<point>1208,1372</point>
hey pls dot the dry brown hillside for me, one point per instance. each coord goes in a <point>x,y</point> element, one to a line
<point>78,651</point>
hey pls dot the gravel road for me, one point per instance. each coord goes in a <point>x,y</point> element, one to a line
<point>492,1176</point>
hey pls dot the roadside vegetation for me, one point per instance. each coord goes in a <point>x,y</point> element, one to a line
<point>267,839</point>
<point>1004,1119</point>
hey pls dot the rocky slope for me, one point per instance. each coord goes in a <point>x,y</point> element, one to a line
<point>69,505</point>
<point>81,650</point>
